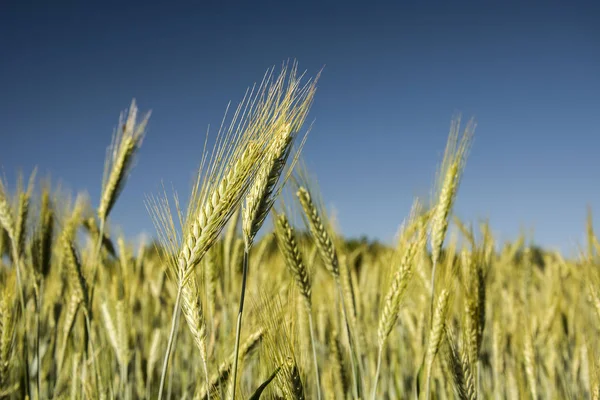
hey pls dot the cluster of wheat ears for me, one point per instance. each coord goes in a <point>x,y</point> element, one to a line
<point>85,315</point>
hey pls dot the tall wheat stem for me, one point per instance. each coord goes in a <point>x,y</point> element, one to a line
<point>91,343</point>
<point>18,264</point>
<point>238,328</point>
<point>37,339</point>
<point>432,291</point>
<point>177,333</point>
<point>96,258</point>
<point>377,371</point>
<point>350,342</point>
<point>170,342</point>
<point>314,351</point>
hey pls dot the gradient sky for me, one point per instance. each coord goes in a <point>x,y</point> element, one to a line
<point>395,73</point>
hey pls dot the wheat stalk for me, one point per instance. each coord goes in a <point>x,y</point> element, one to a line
<point>435,336</point>
<point>291,110</point>
<point>232,169</point>
<point>447,187</point>
<point>293,257</point>
<point>328,253</point>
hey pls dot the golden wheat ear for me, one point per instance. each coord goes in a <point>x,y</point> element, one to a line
<point>70,257</point>
<point>292,112</point>
<point>286,239</point>
<point>462,385</point>
<point>120,158</point>
<point>23,205</point>
<point>7,220</point>
<point>8,325</point>
<point>319,231</point>
<point>280,342</point>
<point>223,180</point>
<point>290,248</point>
<point>450,174</point>
<point>45,232</point>
<point>322,232</point>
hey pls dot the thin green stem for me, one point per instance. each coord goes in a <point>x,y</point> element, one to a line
<point>314,351</point>
<point>350,342</point>
<point>428,382</point>
<point>18,265</point>
<point>123,380</point>
<point>177,333</point>
<point>379,356</point>
<point>96,260</point>
<point>238,328</point>
<point>169,343</point>
<point>37,339</point>
<point>17,261</point>
<point>478,372</point>
<point>432,292</point>
<point>88,326</point>
<point>207,383</point>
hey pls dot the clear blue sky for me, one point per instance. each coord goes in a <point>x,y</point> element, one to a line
<point>395,73</point>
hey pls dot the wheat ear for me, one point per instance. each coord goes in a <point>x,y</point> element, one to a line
<point>293,104</point>
<point>7,327</point>
<point>393,299</point>
<point>455,365</point>
<point>449,180</point>
<point>224,370</point>
<point>219,189</point>
<point>120,157</point>
<point>328,253</point>
<point>8,222</point>
<point>288,245</point>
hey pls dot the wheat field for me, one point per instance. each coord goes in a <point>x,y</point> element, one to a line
<point>244,295</point>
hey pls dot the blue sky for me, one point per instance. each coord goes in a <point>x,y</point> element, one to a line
<point>394,75</point>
